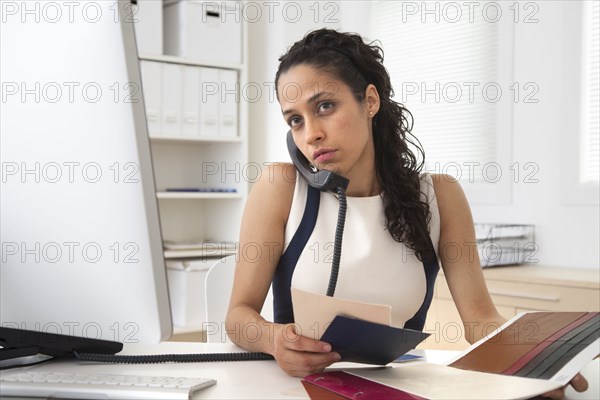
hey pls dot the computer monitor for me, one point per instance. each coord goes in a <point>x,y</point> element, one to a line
<point>80,235</point>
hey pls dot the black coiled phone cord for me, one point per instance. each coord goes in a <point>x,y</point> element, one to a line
<point>337,246</point>
<point>172,358</point>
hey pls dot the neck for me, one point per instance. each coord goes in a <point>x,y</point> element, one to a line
<point>363,176</point>
<point>363,184</point>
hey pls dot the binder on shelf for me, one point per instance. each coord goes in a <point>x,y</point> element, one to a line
<point>151,72</point>
<point>210,93</point>
<point>228,105</point>
<point>172,84</point>
<point>191,101</point>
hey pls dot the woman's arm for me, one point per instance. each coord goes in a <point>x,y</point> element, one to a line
<point>261,244</point>
<point>460,260</point>
<point>462,269</point>
<point>262,236</point>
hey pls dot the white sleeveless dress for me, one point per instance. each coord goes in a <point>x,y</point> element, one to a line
<point>374,268</point>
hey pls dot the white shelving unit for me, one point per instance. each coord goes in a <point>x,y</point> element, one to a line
<point>198,133</point>
<point>202,162</point>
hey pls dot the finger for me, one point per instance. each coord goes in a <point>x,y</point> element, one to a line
<point>557,394</point>
<point>296,342</point>
<point>579,383</point>
<point>301,363</point>
<point>313,346</point>
<point>310,359</point>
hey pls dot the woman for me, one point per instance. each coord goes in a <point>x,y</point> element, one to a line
<point>335,95</point>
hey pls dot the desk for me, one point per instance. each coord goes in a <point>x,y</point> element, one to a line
<point>246,380</point>
<point>513,289</point>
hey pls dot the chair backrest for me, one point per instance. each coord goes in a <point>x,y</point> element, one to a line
<point>218,285</point>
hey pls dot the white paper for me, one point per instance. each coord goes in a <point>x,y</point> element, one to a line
<point>573,367</point>
<point>434,381</point>
<point>485,339</point>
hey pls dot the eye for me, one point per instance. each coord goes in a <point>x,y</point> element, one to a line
<point>325,106</point>
<point>294,121</point>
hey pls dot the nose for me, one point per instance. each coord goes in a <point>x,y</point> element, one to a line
<point>313,131</point>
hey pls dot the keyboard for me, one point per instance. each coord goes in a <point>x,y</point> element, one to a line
<point>82,386</point>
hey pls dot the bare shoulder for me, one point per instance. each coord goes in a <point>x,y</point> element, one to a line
<point>279,174</point>
<point>447,188</point>
<point>274,190</point>
<point>277,177</point>
<point>451,200</point>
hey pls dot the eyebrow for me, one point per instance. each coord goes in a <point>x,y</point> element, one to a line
<point>311,99</point>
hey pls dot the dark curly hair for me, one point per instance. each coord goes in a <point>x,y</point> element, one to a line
<point>358,64</point>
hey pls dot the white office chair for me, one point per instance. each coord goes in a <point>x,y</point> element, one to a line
<point>217,289</point>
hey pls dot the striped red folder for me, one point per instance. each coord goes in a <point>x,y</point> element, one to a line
<point>340,385</point>
<point>537,345</point>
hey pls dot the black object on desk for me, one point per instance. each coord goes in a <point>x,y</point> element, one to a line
<point>21,343</point>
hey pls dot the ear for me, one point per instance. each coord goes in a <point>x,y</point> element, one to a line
<point>371,100</point>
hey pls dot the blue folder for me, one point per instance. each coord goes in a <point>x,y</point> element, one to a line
<point>370,343</point>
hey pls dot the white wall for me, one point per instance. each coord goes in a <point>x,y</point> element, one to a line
<point>567,235</point>
<point>282,24</point>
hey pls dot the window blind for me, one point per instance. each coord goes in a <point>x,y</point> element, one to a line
<point>590,171</point>
<point>444,65</point>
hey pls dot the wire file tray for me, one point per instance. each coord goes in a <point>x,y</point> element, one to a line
<point>505,244</point>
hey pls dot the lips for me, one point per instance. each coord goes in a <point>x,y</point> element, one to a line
<point>323,155</point>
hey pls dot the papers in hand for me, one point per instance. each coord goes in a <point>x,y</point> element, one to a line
<point>359,332</point>
<point>313,313</point>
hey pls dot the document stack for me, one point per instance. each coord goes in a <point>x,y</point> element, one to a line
<point>199,249</point>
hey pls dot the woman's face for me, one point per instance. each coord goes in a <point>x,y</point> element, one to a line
<point>331,128</point>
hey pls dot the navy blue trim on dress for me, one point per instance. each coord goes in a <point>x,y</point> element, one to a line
<point>282,280</point>
<point>283,312</point>
<point>431,266</point>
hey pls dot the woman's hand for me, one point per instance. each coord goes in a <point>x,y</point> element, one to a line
<point>579,383</point>
<point>300,356</point>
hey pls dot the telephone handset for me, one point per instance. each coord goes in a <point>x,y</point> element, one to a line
<point>325,181</point>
